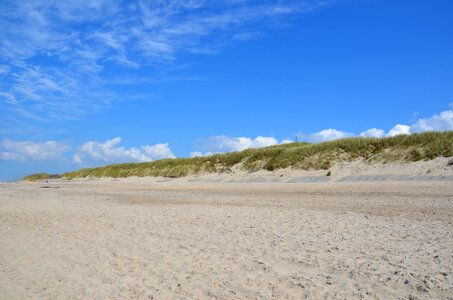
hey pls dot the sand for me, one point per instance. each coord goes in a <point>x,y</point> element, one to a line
<point>139,238</point>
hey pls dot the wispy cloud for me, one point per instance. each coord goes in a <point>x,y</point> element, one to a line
<point>4,69</point>
<point>49,93</point>
<point>54,53</point>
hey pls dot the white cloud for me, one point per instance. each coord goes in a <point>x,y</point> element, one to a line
<point>196,154</point>
<point>286,142</point>
<point>258,142</point>
<point>222,143</point>
<point>158,151</point>
<point>373,132</point>
<point>32,151</point>
<point>439,122</point>
<point>399,129</point>
<point>326,135</point>
<point>110,151</point>
<point>200,154</point>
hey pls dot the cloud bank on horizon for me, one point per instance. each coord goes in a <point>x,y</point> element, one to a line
<point>110,151</point>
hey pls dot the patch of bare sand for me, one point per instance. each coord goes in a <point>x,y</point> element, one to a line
<point>140,239</point>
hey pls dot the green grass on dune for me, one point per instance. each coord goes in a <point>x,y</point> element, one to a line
<point>36,177</point>
<point>41,176</point>
<point>306,156</point>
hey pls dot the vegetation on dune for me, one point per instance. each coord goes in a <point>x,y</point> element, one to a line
<point>306,156</point>
<point>36,177</point>
<point>41,176</point>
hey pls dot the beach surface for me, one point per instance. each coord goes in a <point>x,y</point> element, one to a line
<point>171,239</point>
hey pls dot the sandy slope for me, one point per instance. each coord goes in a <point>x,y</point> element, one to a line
<point>139,239</point>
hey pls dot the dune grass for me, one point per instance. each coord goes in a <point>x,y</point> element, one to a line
<point>306,156</point>
<point>36,177</point>
<point>41,176</point>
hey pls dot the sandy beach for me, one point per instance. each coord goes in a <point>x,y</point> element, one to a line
<point>290,149</point>
<point>140,238</point>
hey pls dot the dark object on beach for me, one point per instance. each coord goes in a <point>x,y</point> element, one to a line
<point>329,173</point>
<point>450,162</point>
<point>49,187</point>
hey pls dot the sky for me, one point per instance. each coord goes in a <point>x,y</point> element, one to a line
<point>87,83</point>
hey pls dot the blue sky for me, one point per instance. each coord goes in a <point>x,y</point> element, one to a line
<point>87,83</point>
